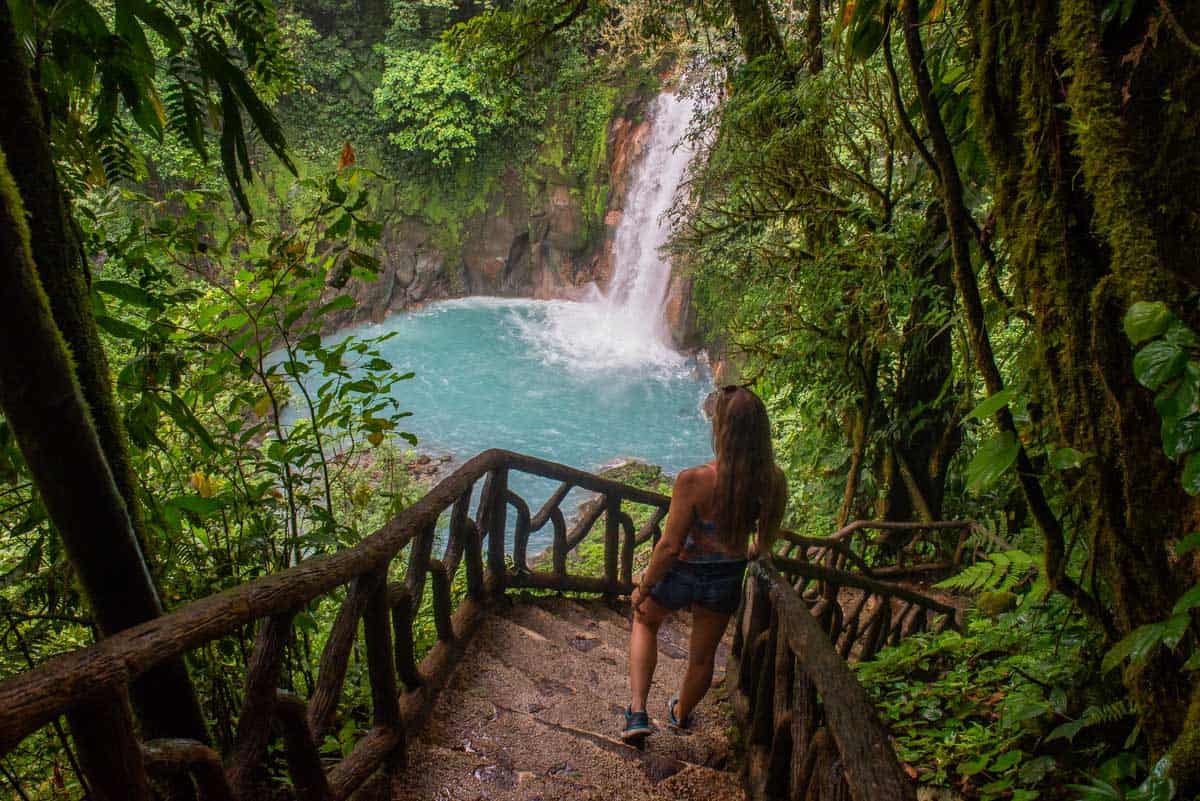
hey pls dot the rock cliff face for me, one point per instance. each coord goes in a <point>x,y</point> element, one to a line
<point>535,244</point>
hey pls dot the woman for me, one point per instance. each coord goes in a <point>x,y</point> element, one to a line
<point>701,559</point>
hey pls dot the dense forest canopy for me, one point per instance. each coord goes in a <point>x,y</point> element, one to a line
<point>952,244</point>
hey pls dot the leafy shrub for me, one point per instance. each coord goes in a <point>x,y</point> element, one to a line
<point>439,112</point>
<point>985,711</point>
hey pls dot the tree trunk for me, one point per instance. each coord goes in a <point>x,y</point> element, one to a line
<point>758,29</point>
<point>1092,138</point>
<point>959,224</point>
<point>60,260</point>
<point>42,375</point>
<point>930,438</point>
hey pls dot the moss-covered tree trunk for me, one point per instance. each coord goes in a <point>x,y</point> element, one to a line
<point>929,431</point>
<point>56,392</point>
<point>59,257</point>
<point>757,26</point>
<point>1092,132</point>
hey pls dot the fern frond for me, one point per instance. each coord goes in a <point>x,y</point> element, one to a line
<point>183,101</point>
<point>1001,571</point>
<point>117,154</point>
<point>1108,713</point>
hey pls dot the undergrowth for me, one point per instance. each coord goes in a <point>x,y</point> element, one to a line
<point>998,710</point>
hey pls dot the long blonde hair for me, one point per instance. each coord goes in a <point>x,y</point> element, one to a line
<point>745,464</point>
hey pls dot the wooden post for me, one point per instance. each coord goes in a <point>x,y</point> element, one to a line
<point>521,534</point>
<point>402,619</point>
<point>559,552</point>
<point>780,754</point>
<point>473,547</point>
<point>419,553</point>
<point>300,749</point>
<point>254,722</point>
<point>629,547</point>
<point>175,757</point>
<point>457,542</point>
<point>762,710</point>
<point>336,657</point>
<point>109,752</point>
<point>441,600</point>
<point>497,523</point>
<point>378,637</point>
<point>612,536</point>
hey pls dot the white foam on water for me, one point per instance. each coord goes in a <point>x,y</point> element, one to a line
<point>625,329</point>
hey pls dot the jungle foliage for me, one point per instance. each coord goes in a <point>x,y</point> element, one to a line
<point>952,244</point>
<point>193,293</point>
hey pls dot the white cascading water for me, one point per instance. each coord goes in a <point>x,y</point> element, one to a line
<point>625,328</point>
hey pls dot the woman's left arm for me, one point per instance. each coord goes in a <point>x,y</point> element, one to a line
<point>768,529</point>
<point>679,521</point>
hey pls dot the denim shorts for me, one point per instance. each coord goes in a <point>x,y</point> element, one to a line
<point>716,586</point>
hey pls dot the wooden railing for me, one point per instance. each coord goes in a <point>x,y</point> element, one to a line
<point>90,686</point>
<point>810,730</point>
<point>847,548</point>
<point>816,606</point>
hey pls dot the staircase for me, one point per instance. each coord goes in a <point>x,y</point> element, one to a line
<point>521,695</point>
<point>535,706</point>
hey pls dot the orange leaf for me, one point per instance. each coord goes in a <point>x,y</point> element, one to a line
<point>349,157</point>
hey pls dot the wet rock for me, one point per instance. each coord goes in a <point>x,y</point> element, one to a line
<point>499,775</point>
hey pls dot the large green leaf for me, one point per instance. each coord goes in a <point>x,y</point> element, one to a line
<point>992,405</point>
<point>1188,601</point>
<point>128,293</point>
<point>1158,363</point>
<point>120,328</point>
<point>865,37</point>
<point>992,459</point>
<point>1191,475</point>
<point>1146,320</point>
<point>1180,398</point>
<point>1135,645</point>
<point>1188,544</point>
<point>1181,437</point>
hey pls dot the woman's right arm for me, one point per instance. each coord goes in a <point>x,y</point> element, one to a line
<point>679,521</point>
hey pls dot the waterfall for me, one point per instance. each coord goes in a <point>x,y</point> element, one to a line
<point>641,272</point>
<point>625,327</point>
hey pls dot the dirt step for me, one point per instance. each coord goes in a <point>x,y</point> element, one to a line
<point>534,712</point>
<point>592,686</point>
<point>601,620</point>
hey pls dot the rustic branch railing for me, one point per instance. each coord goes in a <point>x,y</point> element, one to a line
<point>810,730</point>
<point>812,733</point>
<point>846,548</point>
<point>90,686</point>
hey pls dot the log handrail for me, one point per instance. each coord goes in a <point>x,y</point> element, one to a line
<point>812,731</point>
<point>90,685</point>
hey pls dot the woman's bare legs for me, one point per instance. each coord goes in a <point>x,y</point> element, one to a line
<point>643,650</point>
<point>708,628</point>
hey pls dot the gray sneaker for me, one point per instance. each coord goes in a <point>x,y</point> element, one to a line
<point>637,727</point>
